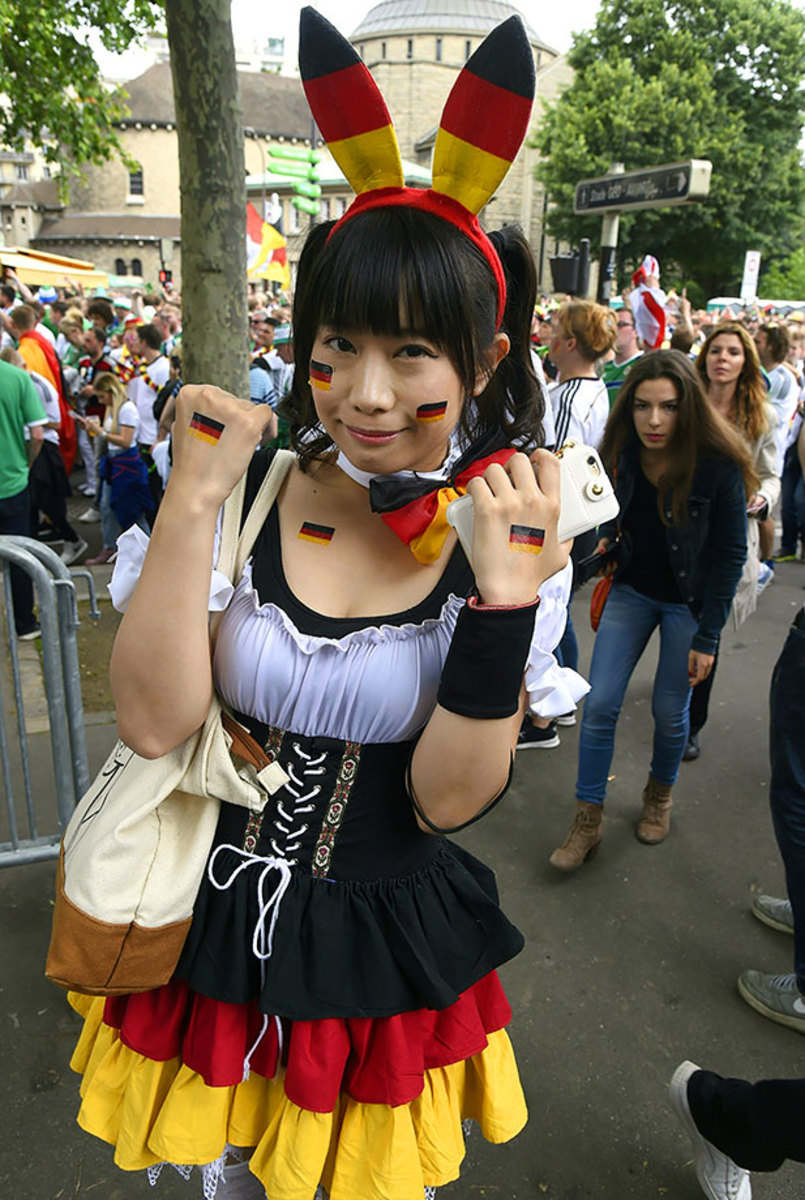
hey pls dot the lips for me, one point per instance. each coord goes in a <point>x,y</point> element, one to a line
<point>373,437</point>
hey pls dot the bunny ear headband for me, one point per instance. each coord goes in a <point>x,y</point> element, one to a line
<point>482,127</point>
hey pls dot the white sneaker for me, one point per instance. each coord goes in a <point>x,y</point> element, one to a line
<point>89,515</point>
<point>87,489</point>
<point>765,576</point>
<point>720,1178</point>
<point>72,551</point>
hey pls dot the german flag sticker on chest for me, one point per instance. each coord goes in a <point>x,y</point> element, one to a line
<point>320,535</point>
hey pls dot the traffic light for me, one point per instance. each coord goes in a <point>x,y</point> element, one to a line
<point>301,164</point>
<point>165,276</point>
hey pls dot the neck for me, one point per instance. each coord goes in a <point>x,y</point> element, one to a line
<point>149,355</point>
<point>576,367</point>
<point>622,356</point>
<point>722,398</point>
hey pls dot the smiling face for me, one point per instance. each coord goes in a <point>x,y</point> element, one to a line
<point>378,385</point>
<point>725,359</point>
<point>655,409</point>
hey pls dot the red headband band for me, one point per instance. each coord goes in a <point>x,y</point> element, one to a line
<point>442,206</point>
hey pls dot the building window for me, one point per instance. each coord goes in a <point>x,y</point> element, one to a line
<point>120,266</point>
<point>293,218</point>
<point>382,49</point>
<point>340,207</point>
<point>46,172</point>
<point>539,60</point>
<point>22,171</point>
<point>438,49</point>
<point>324,209</point>
<point>136,186</point>
<point>467,50</point>
<point>361,50</point>
<point>409,52</point>
<point>136,267</point>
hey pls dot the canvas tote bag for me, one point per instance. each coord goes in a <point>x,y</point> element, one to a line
<point>134,852</point>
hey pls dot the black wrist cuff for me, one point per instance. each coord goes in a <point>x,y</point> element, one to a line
<point>483,672</point>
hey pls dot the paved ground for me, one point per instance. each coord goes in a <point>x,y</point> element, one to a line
<point>630,965</point>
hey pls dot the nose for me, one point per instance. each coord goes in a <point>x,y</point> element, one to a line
<point>373,389</point>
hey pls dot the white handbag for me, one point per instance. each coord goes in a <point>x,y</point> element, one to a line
<point>134,852</point>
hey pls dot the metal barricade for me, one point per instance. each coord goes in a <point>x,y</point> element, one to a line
<point>54,587</point>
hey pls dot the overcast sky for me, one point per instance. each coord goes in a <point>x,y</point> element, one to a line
<point>253,22</point>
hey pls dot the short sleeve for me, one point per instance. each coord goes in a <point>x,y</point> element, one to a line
<point>131,550</point>
<point>552,690</point>
<point>33,412</point>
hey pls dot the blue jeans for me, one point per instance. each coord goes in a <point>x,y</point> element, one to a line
<point>787,791</point>
<point>793,503</point>
<point>628,622</point>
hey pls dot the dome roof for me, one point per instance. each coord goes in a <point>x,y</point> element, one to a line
<point>473,17</point>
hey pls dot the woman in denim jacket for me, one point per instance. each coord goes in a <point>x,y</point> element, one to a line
<point>682,476</point>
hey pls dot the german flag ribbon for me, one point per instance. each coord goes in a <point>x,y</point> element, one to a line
<point>415,509</point>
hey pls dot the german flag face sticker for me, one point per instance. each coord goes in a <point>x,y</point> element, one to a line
<point>320,535</point>
<point>321,376</point>
<point>205,428</point>
<point>426,414</point>
<point>526,540</point>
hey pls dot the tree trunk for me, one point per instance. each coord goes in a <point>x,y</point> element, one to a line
<point>209,122</point>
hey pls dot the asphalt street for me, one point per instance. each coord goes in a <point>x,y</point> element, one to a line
<point>630,964</point>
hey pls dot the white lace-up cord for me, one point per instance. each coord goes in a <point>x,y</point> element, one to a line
<point>262,939</point>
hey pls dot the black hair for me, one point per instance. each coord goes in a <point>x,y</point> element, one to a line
<point>9,293</point>
<point>395,267</point>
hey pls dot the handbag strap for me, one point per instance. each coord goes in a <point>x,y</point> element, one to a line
<point>235,547</point>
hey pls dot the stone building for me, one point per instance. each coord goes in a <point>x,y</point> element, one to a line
<point>127,220</point>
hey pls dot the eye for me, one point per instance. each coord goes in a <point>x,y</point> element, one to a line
<point>415,350</point>
<point>341,344</point>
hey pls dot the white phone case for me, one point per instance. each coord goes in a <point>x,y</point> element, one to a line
<point>586,495</point>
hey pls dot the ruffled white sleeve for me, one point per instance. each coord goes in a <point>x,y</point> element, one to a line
<point>131,548</point>
<point>552,690</point>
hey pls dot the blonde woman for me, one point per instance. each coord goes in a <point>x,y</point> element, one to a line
<point>124,495</point>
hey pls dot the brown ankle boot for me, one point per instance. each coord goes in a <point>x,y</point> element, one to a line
<point>655,823</point>
<point>584,837</point>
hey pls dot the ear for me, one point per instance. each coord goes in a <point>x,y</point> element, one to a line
<point>486,117</point>
<point>501,345</point>
<point>347,106</point>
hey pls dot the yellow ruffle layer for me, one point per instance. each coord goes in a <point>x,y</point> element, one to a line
<point>155,1112</point>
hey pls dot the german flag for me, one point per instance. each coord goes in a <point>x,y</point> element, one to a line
<point>348,107</point>
<point>205,428</point>
<point>526,540</point>
<point>486,117</point>
<point>321,376</point>
<point>427,413</point>
<point>320,535</point>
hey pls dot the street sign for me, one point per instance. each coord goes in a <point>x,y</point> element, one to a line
<point>654,187</point>
<point>751,273</point>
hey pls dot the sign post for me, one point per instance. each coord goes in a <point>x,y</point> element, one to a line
<point>751,274</point>
<point>653,187</point>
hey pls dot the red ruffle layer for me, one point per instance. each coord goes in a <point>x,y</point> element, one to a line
<point>376,1060</point>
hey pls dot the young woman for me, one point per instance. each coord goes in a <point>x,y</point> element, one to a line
<point>387,678</point>
<point>124,496</point>
<point>681,477</point>
<point>729,369</point>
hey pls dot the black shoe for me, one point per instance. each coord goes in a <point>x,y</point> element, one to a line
<point>46,533</point>
<point>533,738</point>
<point>30,634</point>
<point>693,749</point>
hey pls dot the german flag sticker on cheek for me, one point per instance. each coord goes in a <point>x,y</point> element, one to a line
<point>205,428</point>
<point>321,376</point>
<point>320,535</point>
<point>526,539</point>
<point>427,413</point>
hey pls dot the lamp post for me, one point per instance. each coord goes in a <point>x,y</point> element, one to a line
<point>250,131</point>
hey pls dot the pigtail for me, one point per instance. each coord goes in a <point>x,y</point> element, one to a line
<point>513,400</point>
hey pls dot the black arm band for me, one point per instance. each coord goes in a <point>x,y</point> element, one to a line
<point>483,671</point>
<point>487,808</point>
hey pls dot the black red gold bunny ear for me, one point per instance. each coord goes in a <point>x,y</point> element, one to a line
<point>347,106</point>
<point>486,117</point>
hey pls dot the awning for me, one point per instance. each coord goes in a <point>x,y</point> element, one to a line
<point>38,268</point>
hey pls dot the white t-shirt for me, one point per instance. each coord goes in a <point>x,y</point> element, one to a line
<point>784,396</point>
<point>144,396</point>
<point>127,415</point>
<point>50,402</point>
<point>580,410</point>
